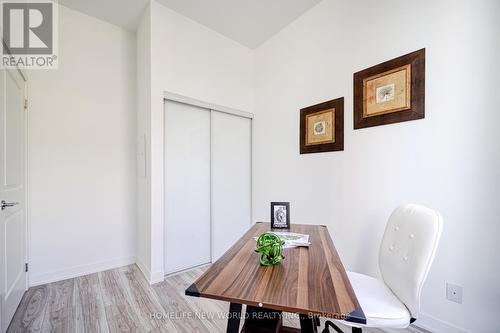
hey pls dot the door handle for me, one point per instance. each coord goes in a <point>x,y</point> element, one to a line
<point>8,204</point>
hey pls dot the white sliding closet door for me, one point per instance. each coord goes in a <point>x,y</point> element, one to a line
<point>187,186</point>
<point>231,180</point>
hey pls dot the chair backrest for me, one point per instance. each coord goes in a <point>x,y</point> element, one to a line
<point>407,251</point>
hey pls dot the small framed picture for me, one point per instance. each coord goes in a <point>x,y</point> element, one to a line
<point>280,215</point>
<point>322,127</point>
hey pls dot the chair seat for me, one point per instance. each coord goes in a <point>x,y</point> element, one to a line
<point>381,307</point>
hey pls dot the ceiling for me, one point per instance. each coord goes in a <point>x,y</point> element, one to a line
<point>249,22</point>
<point>123,13</point>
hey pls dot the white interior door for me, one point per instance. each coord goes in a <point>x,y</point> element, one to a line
<point>187,186</point>
<point>12,194</point>
<point>231,179</point>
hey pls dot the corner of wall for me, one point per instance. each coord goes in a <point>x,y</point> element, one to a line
<point>151,277</point>
<point>143,240</point>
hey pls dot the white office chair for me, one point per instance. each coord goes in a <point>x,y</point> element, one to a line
<point>405,257</point>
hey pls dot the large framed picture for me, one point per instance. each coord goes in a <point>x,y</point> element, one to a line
<point>280,215</point>
<point>391,92</point>
<point>322,127</point>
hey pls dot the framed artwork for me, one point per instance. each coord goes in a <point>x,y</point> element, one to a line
<point>391,92</point>
<point>322,127</point>
<point>280,215</point>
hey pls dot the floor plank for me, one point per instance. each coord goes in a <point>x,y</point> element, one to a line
<point>212,312</point>
<point>89,305</point>
<point>30,313</point>
<point>119,313</point>
<point>175,307</point>
<point>143,300</point>
<point>59,312</point>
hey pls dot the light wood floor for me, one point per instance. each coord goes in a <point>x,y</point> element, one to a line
<point>121,300</point>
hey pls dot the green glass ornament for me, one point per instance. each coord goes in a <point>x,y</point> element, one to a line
<point>270,247</point>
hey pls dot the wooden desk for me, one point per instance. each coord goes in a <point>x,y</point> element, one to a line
<point>309,281</point>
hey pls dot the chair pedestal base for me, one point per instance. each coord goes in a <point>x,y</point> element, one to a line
<point>262,320</point>
<point>329,324</point>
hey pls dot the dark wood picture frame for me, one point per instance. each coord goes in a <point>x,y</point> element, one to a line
<point>416,61</point>
<point>338,144</point>
<point>274,224</point>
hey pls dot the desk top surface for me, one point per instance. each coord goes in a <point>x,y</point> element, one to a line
<point>309,280</point>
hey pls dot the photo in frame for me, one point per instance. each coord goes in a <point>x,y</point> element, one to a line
<point>322,127</point>
<point>391,92</point>
<point>280,215</point>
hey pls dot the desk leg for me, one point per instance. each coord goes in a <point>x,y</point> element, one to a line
<point>233,321</point>
<point>308,324</point>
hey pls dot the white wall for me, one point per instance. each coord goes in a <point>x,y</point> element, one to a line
<point>448,161</point>
<point>191,60</point>
<point>82,187</point>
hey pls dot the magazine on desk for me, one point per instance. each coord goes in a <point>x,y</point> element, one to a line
<point>291,239</point>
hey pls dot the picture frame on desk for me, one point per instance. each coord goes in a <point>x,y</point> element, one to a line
<point>280,215</point>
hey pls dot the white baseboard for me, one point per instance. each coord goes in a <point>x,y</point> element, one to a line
<point>143,268</point>
<point>76,271</point>
<point>432,324</point>
<point>157,277</point>
<point>152,278</point>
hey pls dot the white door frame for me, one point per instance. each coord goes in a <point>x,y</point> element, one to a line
<point>168,96</point>
<point>20,73</point>
<point>26,178</point>
<point>24,77</point>
<point>206,105</point>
